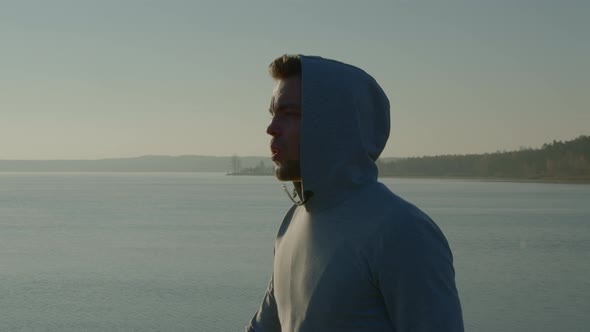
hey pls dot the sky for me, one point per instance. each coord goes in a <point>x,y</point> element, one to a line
<point>86,79</point>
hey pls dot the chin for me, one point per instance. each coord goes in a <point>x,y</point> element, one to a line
<point>288,172</point>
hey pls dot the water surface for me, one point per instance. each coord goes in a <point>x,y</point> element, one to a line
<point>193,252</point>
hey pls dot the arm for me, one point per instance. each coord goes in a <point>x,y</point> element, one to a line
<point>266,319</point>
<point>416,278</point>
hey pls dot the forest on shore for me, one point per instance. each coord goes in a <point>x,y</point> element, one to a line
<point>556,161</point>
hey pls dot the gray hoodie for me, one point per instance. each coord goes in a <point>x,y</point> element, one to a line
<point>354,257</point>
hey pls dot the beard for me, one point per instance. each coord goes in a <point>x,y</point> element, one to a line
<point>288,171</point>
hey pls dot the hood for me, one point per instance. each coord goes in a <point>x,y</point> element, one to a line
<point>344,128</point>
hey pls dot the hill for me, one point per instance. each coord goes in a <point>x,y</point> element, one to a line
<point>137,164</point>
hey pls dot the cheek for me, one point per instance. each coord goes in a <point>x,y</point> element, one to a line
<point>293,138</point>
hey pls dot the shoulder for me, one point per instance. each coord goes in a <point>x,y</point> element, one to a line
<point>405,232</point>
<point>402,218</point>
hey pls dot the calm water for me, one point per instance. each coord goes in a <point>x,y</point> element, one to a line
<point>193,252</point>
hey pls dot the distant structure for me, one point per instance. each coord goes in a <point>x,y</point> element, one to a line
<point>235,165</point>
<point>237,169</point>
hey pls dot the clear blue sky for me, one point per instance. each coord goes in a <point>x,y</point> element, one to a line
<point>97,79</point>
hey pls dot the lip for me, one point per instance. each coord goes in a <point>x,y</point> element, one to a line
<point>274,153</point>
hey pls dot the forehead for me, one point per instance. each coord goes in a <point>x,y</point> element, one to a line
<point>287,90</point>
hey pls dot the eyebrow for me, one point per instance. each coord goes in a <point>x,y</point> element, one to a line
<point>283,107</point>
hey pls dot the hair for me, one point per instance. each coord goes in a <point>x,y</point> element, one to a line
<point>285,66</point>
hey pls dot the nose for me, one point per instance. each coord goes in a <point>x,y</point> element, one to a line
<point>273,128</point>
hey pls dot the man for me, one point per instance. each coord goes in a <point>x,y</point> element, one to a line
<point>349,255</point>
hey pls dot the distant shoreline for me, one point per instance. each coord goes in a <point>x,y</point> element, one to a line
<point>492,179</point>
<point>584,181</point>
<point>480,179</point>
<point>458,178</point>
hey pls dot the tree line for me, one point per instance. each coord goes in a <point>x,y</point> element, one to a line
<point>568,160</point>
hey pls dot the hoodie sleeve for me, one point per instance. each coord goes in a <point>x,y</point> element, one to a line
<point>416,277</point>
<point>266,319</point>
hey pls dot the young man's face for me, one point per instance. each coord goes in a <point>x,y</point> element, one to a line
<point>285,128</point>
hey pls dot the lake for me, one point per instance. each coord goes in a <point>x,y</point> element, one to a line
<point>193,251</point>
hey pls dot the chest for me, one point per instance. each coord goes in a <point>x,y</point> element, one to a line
<point>321,270</point>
